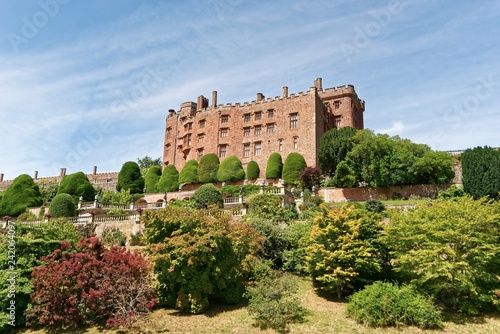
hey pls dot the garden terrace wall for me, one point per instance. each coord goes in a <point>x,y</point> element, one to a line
<point>365,194</point>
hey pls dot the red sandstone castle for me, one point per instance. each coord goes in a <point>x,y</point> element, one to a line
<point>252,131</point>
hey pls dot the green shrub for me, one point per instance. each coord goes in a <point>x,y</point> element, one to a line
<point>274,166</point>
<point>189,173</point>
<point>77,185</point>
<point>138,239</point>
<point>207,195</point>
<point>169,180</point>
<point>234,191</point>
<point>452,193</point>
<point>275,239</point>
<point>294,165</point>
<point>130,178</point>
<point>266,206</point>
<point>374,206</point>
<point>62,206</point>
<point>113,236</point>
<point>273,302</point>
<point>253,170</point>
<point>20,195</point>
<point>121,197</point>
<point>385,304</point>
<point>26,216</point>
<point>151,179</point>
<point>230,169</point>
<point>208,167</point>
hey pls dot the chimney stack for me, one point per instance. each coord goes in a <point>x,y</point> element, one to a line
<point>94,172</point>
<point>1,177</point>
<point>214,99</point>
<point>285,92</point>
<point>318,83</point>
<point>260,97</point>
<point>63,172</point>
<point>35,177</point>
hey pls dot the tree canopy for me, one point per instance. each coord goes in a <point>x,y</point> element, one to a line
<point>333,148</point>
<point>130,178</point>
<point>147,162</point>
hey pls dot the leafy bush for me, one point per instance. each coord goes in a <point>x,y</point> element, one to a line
<point>62,206</point>
<point>342,254</point>
<point>374,206</point>
<point>344,176</point>
<point>253,170</point>
<point>99,284</point>
<point>385,304</point>
<point>334,146</point>
<point>275,239</point>
<point>273,302</point>
<point>294,165</point>
<point>198,255</point>
<point>266,206</point>
<point>450,250</point>
<point>208,167</point>
<point>138,239</point>
<point>151,179</point>
<point>297,236</point>
<point>130,178</point>
<point>26,216</point>
<point>20,195</point>
<point>32,242</point>
<point>207,195</point>
<point>121,197</point>
<point>310,177</point>
<point>230,169</point>
<point>113,236</point>
<point>274,166</point>
<point>452,193</point>
<point>77,185</point>
<point>189,173</point>
<point>234,191</point>
<point>169,180</point>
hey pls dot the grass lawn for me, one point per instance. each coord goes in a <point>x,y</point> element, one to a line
<point>327,316</point>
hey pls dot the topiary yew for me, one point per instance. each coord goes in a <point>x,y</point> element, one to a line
<point>274,166</point>
<point>189,173</point>
<point>77,185</point>
<point>151,179</point>
<point>207,195</point>
<point>294,165</point>
<point>62,206</point>
<point>130,178</point>
<point>208,167</point>
<point>169,180</point>
<point>230,169</point>
<point>21,194</point>
<point>253,170</point>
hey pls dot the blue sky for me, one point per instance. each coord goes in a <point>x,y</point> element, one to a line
<point>86,83</point>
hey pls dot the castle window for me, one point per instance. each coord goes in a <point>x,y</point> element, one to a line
<point>169,131</point>
<point>280,143</point>
<point>270,113</point>
<point>200,152</point>
<point>294,118</point>
<point>337,104</point>
<point>295,143</point>
<point>258,115</point>
<point>338,121</point>
<point>246,150</point>
<point>201,137</point>
<point>246,132</point>
<point>222,151</point>
<point>202,124</point>
<point>246,117</point>
<point>189,140</point>
<point>167,149</point>
<point>270,128</point>
<point>224,132</point>
<point>224,119</point>
<point>258,129</point>
<point>257,148</point>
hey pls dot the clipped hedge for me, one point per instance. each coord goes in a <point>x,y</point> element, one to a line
<point>294,165</point>
<point>21,194</point>
<point>274,166</point>
<point>230,169</point>
<point>207,195</point>
<point>169,180</point>
<point>130,177</point>
<point>151,179</point>
<point>77,184</point>
<point>253,170</point>
<point>189,173</point>
<point>208,167</point>
<point>62,205</point>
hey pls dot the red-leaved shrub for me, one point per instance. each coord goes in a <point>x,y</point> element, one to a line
<point>89,284</point>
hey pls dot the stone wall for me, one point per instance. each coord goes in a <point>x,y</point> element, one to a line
<point>365,194</point>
